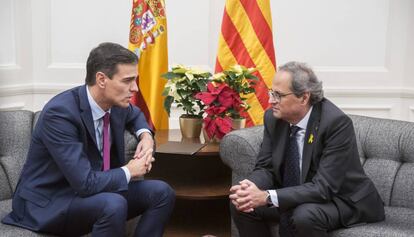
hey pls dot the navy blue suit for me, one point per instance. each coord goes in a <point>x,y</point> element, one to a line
<point>63,174</point>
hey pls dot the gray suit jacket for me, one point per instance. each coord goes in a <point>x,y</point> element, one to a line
<point>331,169</point>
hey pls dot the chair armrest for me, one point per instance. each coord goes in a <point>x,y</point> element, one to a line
<point>239,150</point>
<point>131,143</point>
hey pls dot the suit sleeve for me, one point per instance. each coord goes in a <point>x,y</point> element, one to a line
<point>136,120</point>
<point>262,174</point>
<point>61,134</point>
<point>338,149</point>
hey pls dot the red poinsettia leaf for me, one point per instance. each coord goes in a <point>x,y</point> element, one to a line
<point>210,126</point>
<point>224,126</point>
<point>225,98</point>
<point>237,102</point>
<point>215,110</point>
<point>216,88</point>
<point>206,97</point>
<point>210,111</point>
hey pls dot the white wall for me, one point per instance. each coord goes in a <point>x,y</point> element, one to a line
<point>361,50</point>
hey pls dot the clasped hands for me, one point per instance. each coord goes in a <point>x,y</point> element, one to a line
<point>142,160</point>
<point>246,196</point>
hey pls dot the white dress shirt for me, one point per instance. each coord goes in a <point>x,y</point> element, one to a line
<point>97,116</point>
<point>300,139</point>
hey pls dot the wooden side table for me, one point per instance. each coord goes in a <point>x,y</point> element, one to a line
<point>201,182</point>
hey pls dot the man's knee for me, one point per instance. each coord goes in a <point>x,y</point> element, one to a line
<point>115,205</point>
<point>163,191</point>
<point>306,216</point>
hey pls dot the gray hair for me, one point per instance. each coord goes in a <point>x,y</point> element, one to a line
<point>304,80</point>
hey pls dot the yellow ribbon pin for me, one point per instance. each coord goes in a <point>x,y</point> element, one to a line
<point>310,140</point>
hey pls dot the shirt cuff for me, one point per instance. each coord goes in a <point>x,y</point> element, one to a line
<point>127,174</point>
<point>273,197</point>
<point>142,130</point>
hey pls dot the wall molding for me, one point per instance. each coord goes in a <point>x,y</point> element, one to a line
<point>54,88</point>
<point>10,66</point>
<point>364,107</point>
<point>352,69</point>
<point>66,66</point>
<point>32,89</point>
<point>396,92</point>
<point>12,106</point>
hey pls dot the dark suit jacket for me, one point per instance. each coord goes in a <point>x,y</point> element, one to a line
<point>331,169</point>
<point>63,161</point>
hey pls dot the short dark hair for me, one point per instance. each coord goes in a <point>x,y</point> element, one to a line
<point>105,58</point>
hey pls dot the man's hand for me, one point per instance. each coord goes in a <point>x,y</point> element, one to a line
<point>144,150</point>
<point>137,168</point>
<point>246,196</point>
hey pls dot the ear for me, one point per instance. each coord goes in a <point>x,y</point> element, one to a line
<point>100,79</point>
<point>305,98</point>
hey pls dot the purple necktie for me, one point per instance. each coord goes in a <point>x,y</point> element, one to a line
<point>106,145</point>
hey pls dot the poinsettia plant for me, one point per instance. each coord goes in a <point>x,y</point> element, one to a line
<point>182,86</point>
<point>225,99</point>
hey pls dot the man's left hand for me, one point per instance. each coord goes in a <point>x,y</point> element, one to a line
<point>249,196</point>
<point>144,149</point>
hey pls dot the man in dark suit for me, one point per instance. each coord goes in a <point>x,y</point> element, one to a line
<point>308,176</point>
<point>76,178</point>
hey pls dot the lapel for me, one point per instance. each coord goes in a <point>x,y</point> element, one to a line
<point>280,137</point>
<point>117,131</point>
<point>86,113</point>
<point>310,138</point>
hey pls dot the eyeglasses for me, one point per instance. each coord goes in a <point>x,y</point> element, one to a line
<point>277,96</point>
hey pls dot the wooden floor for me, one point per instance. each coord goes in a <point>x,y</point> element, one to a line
<point>199,218</point>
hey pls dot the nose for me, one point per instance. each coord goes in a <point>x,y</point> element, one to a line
<point>272,100</point>
<point>134,86</point>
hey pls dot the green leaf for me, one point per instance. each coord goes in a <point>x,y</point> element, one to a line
<point>185,93</point>
<point>167,104</point>
<point>180,70</point>
<point>170,75</point>
<point>165,91</point>
<point>202,85</point>
<point>251,77</point>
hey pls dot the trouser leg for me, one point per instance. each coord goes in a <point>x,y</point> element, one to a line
<point>104,214</point>
<point>315,220</point>
<point>255,223</point>
<point>154,201</point>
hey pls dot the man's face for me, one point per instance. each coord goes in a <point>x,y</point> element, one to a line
<point>119,90</point>
<point>288,107</point>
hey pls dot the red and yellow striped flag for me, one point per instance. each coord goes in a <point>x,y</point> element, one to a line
<point>148,39</point>
<point>246,39</point>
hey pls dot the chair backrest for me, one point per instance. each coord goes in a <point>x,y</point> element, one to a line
<point>386,150</point>
<point>15,135</point>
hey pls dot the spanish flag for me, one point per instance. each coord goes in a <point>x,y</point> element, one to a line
<point>148,39</point>
<point>246,39</point>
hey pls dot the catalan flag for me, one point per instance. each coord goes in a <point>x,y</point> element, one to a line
<point>246,39</point>
<point>148,39</point>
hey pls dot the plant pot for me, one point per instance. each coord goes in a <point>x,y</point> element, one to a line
<point>190,127</point>
<point>238,123</point>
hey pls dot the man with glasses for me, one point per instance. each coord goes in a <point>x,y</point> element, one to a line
<point>76,178</point>
<point>308,177</point>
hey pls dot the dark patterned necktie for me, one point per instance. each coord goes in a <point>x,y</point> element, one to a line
<point>291,177</point>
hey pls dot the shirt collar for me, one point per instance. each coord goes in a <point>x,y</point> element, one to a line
<point>304,122</point>
<point>97,111</point>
